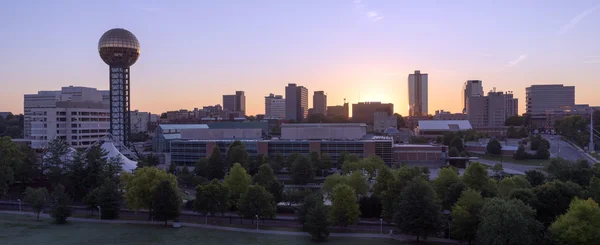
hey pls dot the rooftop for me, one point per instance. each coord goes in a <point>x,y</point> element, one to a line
<point>181,126</point>
<point>322,125</point>
<point>444,125</point>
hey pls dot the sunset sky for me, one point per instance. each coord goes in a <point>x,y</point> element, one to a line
<point>193,52</point>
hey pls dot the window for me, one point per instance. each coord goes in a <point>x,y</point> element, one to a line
<point>73,125</point>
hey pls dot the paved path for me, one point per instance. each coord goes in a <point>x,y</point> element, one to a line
<point>511,168</point>
<point>272,232</point>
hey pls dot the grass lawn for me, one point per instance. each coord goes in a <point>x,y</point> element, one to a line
<point>21,229</point>
<point>531,162</point>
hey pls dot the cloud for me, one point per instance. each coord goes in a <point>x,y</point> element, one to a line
<point>516,61</point>
<point>575,20</point>
<point>372,15</point>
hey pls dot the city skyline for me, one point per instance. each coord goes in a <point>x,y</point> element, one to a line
<point>358,57</point>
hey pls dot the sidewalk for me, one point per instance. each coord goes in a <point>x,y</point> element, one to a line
<point>272,232</point>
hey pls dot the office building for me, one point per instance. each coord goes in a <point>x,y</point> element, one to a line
<point>274,107</point>
<point>235,102</point>
<point>491,110</point>
<point>339,111</point>
<point>364,112</point>
<point>417,94</point>
<point>546,103</point>
<point>296,102</point>
<point>119,49</point>
<point>320,102</point>
<point>471,88</point>
<point>78,115</point>
<point>139,121</point>
<point>446,115</point>
<point>382,121</point>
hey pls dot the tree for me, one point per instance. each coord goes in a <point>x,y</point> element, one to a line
<point>238,182</point>
<point>316,222</point>
<point>212,198</point>
<point>446,178</point>
<point>553,198</point>
<point>37,198</point>
<point>60,205</point>
<point>215,168</point>
<point>418,210</point>
<point>512,132</point>
<point>399,121</point>
<point>522,132</point>
<point>594,189</point>
<point>55,161</point>
<point>10,158</point>
<point>172,168</point>
<point>77,175</point>
<point>326,162</point>
<point>359,183</point>
<point>267,179</point>
<point>140,186</point>
<point>475,176</point>
<point>302,171</point>
<point>579,171</point>
<point>277,162</point>
<point>310,201</point>
<point>403,176</point>
<point>382,181</point>
<point>370,164</point>
<point>332,181</point>
<point>542,152</point>
<point>494,147</point>
<point>166,201</point>
<point>457,143</point>
<point>465,216</point>
<point>257,201</point>
<point>149,160</point>
<point>96,167</point>
<point>370,207</point>
<point>290,160</point>
<point>579,225</point>
<point>344,210</point>
<point>498,218</point>
<point>535,177</point>
<point>341,159</point>
<point>237,154</point>
<point>521,154</point>
<point>108,197</point>
<point>526,195</point>
<point>452,195</point>
<point>506,185</point>
<point>498,169</point>
<point>201,167</point>
<point>515,120</point>
<point>315,161</point>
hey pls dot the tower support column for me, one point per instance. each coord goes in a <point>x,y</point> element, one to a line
<point>119,104</point>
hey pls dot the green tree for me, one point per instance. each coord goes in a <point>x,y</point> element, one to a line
<point>399,121</point>
<point>267,179</point>
<point>521,154</point>
<point>277,162</point>
<point>457,143</point>
<point>172,168</point>
<point>535,177</point>
<point>215,168</point>
<point>446,178</point>
<point>166,201</point>
<point>594,189</point>
<point>310,201</point>
<point>452,195</point>
<point>542,152</point>
<point>512,132</point>
<point>515,121</point>
<point>526,195</point>
<point>96,167</point>
<point>290,160</point>
<point>332,181</point>
<point>579,225</point>
<point>108,197</point>
<point>317,223</point>
<point>523,132</point>
<point>211,198</point>
<point>140,186</point>
<point>55,160</point>
<point>344,208</point>
<point>498,169</point>
<point>10,158</point>
<point>315,161</point>
<point>494,147</point>
<point>369,164</point>
<point>302,171</point>
<point>497,223</point>
<point>237,154</point>
<point>257,201</point>
<point>476,176</point>
<point>37,198</point>
<point>403,176</point>
<point>326,162</point>
<point>60,205</point>
<point>359,183</point>
<point>201,167</point>
<point>341,159</point>
<point>465,216</point>
<point>77,175</point>
<point>418,211</point>
<point>382,181</point>
<point>238,182</point>
<point>579,172</point>
<point>553,198</point>
<point>506,185</point>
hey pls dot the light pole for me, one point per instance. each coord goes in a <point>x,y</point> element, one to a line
<point>19,200</point>
<point>99,212</point>
<point>381,226</point>
<point>257,222</point>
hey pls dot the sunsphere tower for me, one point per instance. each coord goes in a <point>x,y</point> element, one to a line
<point>119,49</point>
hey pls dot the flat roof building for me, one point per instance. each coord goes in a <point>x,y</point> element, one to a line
<point>417,94</point>
<point>274,107</point>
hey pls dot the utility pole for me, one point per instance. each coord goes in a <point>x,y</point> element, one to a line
<point>591,146</point>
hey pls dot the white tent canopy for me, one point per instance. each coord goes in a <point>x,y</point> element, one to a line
<point>109,147</point>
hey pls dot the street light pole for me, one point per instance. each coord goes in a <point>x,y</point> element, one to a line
<point>19,200</point>
<point>257,222</point>
<point>99,212</point>
<point>381,226</point>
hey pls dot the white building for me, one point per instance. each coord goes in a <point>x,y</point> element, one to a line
<point>78,115</point>
<point>274,106</point>
<point>417,94</point>
<point>139,121</point>
<point>383,121</point>
<point>471,88</point>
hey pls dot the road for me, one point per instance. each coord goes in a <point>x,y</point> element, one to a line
<point>561,148</point>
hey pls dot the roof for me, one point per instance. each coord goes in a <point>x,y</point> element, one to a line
<point>181,126</point>
<point>172,136</point>
<point>444,125</point>
<point>320,125</point>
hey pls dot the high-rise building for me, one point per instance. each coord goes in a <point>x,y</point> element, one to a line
<point>119,49</point>
<point>274,107</point>
<point>139,121</point>
<point>364,112</point>
<point>541,98</point>
<point>320,102</point>
<point>235,102</point>
<point>417,94</point>
<point>491,110</point>
<point>471,88</point>
<point>296,102</point>
<point>78,115</point>
<point>339,110</point>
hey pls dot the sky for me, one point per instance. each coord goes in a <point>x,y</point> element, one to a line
<point>193,52</point>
